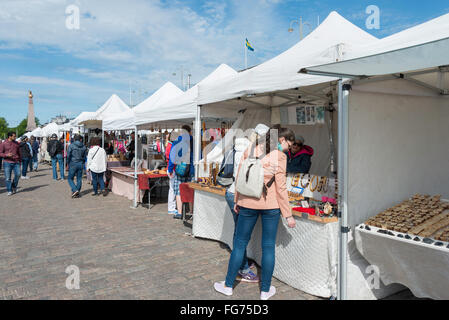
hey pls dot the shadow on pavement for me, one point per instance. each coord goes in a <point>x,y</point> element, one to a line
<point>32,188</point>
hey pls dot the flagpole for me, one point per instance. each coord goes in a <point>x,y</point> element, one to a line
<point>246,55</point>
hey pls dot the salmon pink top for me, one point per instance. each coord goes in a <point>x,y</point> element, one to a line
<point>275,163</point>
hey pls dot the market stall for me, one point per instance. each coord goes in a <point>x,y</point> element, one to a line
<point>305,104</point>
<point>399,89</point>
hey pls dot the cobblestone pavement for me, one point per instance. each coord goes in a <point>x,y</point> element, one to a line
<point>122,253</point>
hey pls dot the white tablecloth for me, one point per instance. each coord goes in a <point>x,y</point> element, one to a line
<point>306,256</point>
<point>423,268</point>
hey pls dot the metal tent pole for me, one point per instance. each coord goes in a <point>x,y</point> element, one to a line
<point>343,135</point>
<point>135,168</point>
<point>197,141</point>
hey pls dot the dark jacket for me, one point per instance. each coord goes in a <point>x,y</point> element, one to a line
<point>301,161</point>
<point>59,146</point>
<point>24,150</point>
<point>35,147</point>
<point>77,153</point>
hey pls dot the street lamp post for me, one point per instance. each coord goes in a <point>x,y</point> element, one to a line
<point>301,25</point>
<point>183,86</point>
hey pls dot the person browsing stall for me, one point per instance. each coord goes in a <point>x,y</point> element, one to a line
<point>299,157</point>
<point>269,206</point>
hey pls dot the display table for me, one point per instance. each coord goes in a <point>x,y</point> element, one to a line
<point>306,256</point>
<point>122,183</point>
<point>151,181</point>
<point>423,268</point>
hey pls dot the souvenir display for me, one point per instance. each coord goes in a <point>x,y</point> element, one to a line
<point>422,215</point>
<point>312,195</point>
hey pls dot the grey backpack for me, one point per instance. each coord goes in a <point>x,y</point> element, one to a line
<point>250,178</point>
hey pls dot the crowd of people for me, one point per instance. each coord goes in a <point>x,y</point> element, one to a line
<point>20,156</point>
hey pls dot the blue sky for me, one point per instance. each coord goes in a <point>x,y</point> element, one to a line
<point>144,42</point>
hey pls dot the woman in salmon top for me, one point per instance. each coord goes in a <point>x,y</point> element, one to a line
<point>269,207</point>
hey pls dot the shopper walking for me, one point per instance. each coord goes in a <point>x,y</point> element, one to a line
<point>55,149</point>
<point>9,151</point>
<point>76,156</point>
<point>171,192</point>
<point>35,146</point>
<point>25,155</point>
<point>181,155</point>
<point>269,206</point>
<point>96,164</point>
<point>1,159</point>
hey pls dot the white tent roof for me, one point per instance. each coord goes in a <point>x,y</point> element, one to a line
<point>183,106</point>
<point>36,132</point>
<point>421,47</point>
<point>113,106</point>
<point>49,129</point>
<point>329,42</point>
<point>83,117</point>
<point>127,119</point>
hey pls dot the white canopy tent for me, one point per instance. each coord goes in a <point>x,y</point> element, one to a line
<point>113,106</point>
<point>50,129</point>
<point>128,119</point>
<point>393,128</point>
<point>86,115</point>
<point>182,108</point>
<point>276,86</point>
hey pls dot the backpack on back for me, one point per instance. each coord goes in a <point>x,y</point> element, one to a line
<point>183,169</point>
<point>250,178</point>
<point>53,149</point>
<point>226,174</point>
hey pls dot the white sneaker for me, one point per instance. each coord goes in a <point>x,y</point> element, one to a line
<point>9,194</point>
<point>220,287</point>
<point>267,295</point>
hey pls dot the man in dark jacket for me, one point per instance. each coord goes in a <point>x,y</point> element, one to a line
<point>35,147</point>
<point>9,151</point>
<point>56,151</point>
<point>25,155</point>
<point>299,157</point>
<point>76,156</point>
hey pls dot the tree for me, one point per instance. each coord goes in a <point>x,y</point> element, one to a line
<point>3,128</point>
<point>21,128</point>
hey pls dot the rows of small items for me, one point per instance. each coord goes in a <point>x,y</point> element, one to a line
<point>427,241</point>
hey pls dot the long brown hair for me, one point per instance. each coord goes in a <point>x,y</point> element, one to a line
<point>286,133</point>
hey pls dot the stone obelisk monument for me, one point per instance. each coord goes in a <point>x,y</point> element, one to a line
<point>31,119</point>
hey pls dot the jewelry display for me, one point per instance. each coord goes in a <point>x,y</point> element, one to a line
<point>313,188</point>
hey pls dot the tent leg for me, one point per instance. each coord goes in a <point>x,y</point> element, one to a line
<point>197,141</point>
<point>343,134</point>
<point>135,168</point>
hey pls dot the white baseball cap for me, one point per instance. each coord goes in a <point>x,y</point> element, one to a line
<point>261,129</point>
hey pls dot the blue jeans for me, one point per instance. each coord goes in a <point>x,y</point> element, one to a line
<point>33,163</point>
<point>9,168</point>
<point>245,226</point>
<point>25,164</point>
<point>76,169</point>
<point>60,160</point>
<point>97,178</point>
<point>230,200</point>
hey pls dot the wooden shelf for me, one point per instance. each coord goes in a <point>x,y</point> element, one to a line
<point>215,190</point>
<point>314,218</point>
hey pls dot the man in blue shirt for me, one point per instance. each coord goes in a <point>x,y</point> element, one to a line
<point>181,155</point>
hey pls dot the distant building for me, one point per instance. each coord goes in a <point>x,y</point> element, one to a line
<point>60,119</point>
